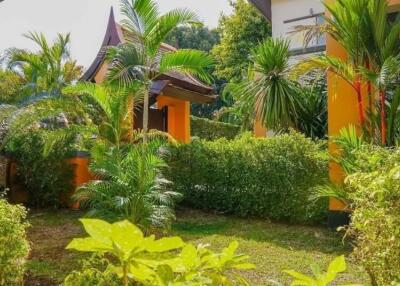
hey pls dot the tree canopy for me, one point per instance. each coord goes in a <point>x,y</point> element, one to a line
<point>240,33</point>
<point>193,37</point>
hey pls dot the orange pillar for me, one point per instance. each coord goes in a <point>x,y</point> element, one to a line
<point>259,129</point>
<point>178,117</point>
<point>81,175</point>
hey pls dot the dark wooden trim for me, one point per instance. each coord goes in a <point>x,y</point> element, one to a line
<point>264,6</point>
<point>308,50</point>
<point>192,96</point>
<point>302,18</point>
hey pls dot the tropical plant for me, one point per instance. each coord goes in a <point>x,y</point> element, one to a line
<point>371,40</point>
<point>268,90</point>
<point>313,108</point>
<point>129,186</point>
<point>140,58</point>
<point>47,71</point>
<point>149,262</point>
<point>13,243</point>
<point>338,265</point>
<point>117,105</point>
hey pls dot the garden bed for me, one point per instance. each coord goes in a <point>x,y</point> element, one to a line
<point>272,247</point>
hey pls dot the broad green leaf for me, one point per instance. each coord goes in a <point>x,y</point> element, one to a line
<point>189,256</point>
<point>338,265</point>
<point>126,235</point>
<point>97,229</point>
<point>164,244</point>
<point>88,244</point>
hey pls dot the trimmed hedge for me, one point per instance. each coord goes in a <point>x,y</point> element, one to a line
<point>211,130</point>
<point>263,177</point>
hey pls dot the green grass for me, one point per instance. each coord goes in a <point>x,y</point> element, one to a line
<point>273,247</point>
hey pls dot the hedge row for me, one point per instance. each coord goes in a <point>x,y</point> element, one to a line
<point>263,177</point>
<point>211,130</point>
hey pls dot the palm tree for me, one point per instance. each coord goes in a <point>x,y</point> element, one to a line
<point>115,103</point>
<point>46,71</point>
<point>140,59</point>
<point>130,187</point>
<point>268,88</point>
<point>363,29</point>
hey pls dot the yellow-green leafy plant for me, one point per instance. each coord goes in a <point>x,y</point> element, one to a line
<point>14,246</point>
<point>338,265</point>
<point>140,260</point>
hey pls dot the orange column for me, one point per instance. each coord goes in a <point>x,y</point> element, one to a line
<point>259,129</point>
<point>178,117</point>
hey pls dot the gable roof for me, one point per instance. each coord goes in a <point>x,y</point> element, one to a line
<point>114,36</point>
<point>264,6</point>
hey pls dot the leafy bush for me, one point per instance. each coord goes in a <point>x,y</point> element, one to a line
<point>147,261</point>
<point>375,221</point>
<point>94,272</point>
<point>210,130</point>
<point>43,171</point>
<point>264,177</point>
<point>14,246</point>
<point>129,186</point>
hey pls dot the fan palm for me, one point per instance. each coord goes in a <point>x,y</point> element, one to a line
<point>46,71</point>
<point>130,186</point>
<point>268,88</point>
<point>140,58</point>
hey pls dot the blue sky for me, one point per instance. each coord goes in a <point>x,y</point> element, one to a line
<point>85,19</point>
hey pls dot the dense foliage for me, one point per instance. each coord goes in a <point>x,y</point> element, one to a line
<point>14,246</point>
<point>211,130</point>
<point>375,221</point>
<point>239,33</point>
<point>264,177</point>
<point>43,172</point>
<point>147,261</point>
<point>193,37</point>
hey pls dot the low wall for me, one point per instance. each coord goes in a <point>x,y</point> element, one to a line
<point>81,175</point>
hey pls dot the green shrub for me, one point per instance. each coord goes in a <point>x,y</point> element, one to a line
<point>263,177</point>
<point>375,221</point>
<point>43,173</point>
<point>95,271</point>
<point>210,130</point>
<point>14,247</point>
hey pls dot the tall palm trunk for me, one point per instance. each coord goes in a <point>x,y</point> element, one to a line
<point>382,95</point>
<point>146,113</point>
<point>357,85</point>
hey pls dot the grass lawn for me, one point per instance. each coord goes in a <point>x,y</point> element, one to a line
<point>272,247</point>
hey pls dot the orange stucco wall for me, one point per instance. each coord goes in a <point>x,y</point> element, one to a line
<point>259,129</point>
<point>178,117</point>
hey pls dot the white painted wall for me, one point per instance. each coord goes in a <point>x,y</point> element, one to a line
<point>289,9</point>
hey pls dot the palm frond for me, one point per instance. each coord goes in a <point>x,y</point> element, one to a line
<point>187,61</point>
